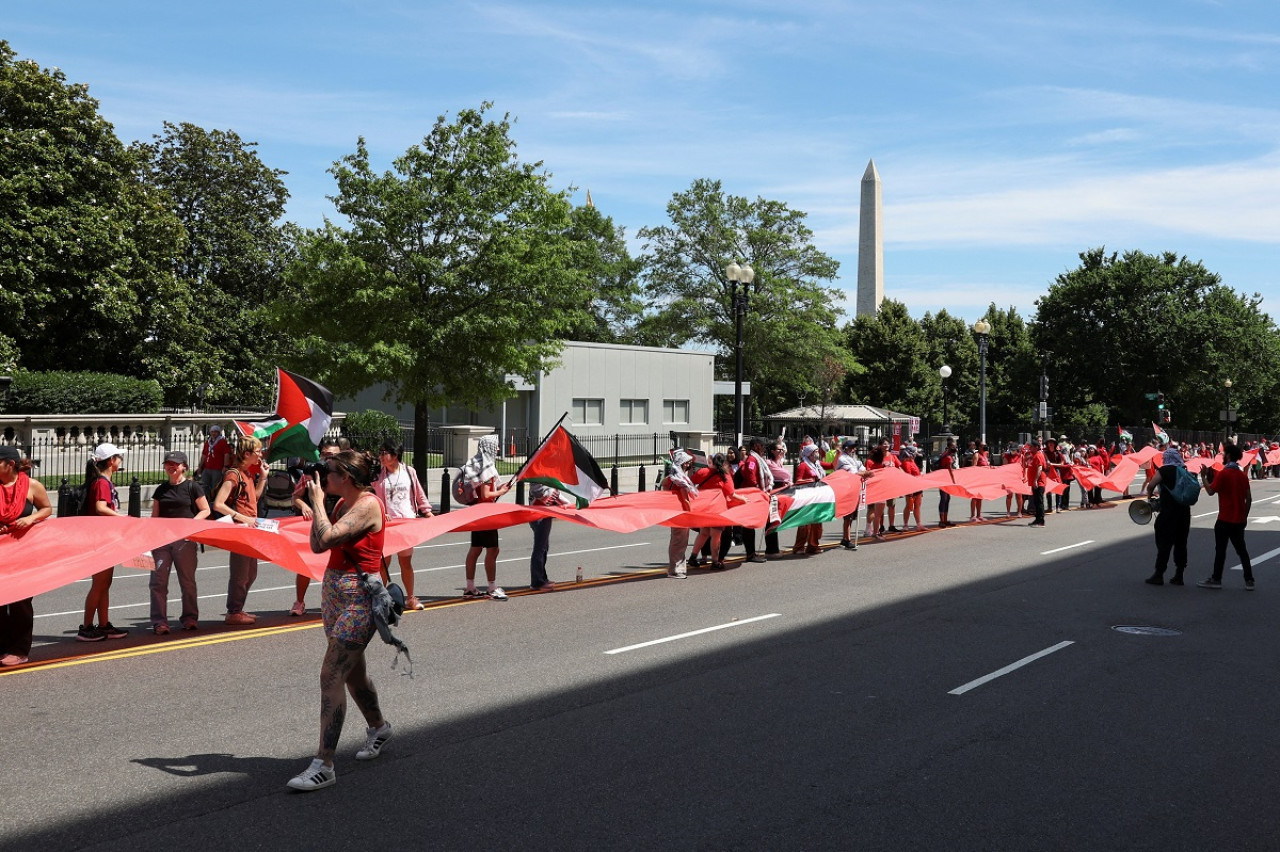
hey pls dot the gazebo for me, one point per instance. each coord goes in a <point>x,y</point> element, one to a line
<point>863,422</point>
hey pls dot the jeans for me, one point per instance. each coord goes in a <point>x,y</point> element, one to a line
<point>1224,532</point>
<point>181,555</point>
<point>541,546</point>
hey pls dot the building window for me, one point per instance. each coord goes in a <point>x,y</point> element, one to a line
<point>588,412</point>
<point>675,411</point>
<point>633,412</point>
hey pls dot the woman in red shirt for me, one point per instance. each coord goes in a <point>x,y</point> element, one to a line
<point>718,475</point>
<point>101,498</point>
<point>809,470</point>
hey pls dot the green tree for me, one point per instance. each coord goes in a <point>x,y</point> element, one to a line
<point>791,323</point>
<point>615,308</point>
<point>1013,370</point>
<point>457,269</point>
<point>1123,326</point>
<point>232,262</point>
<point>897,374</point>
<point>949,341</point>
<point>84,245</point>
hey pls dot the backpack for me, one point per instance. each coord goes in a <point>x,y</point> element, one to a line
<point>1186,489</point>
<point>466,491</point>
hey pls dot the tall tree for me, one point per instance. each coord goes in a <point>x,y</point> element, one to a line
<point>1124,326</point>
<point>791,324</point>
<point>893,350</point>
<point>600,251</point>
<point>233,261</point>
<point>457,269</point>
<point>84,245</point>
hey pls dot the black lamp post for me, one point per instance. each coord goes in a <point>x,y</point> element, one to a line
<point>945,372</point>
<point>982,328</point>
<point>1228,415</point>
<point>743,275</point>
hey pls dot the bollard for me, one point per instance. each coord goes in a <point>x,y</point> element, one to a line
<point>613,479</point>
<point>444,492</point>
<point>520,493</point>
<point>642,483</point>
<point>135,498</point>
<point>64,496</point>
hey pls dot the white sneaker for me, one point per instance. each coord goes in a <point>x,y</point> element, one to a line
<point>496,594</point>
<point>374,740</point>
<point>682,570</point>
<point>314,777</point>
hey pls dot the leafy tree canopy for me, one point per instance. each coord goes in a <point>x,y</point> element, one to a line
<point>1123,326</point>
<point>791,322</point>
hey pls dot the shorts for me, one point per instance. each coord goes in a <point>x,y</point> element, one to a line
<point>484,538</point>
<point>345,608</point>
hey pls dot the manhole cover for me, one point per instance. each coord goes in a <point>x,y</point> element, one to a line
<point>1141,630</point>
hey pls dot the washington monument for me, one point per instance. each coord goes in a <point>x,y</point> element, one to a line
<point>870,245</point>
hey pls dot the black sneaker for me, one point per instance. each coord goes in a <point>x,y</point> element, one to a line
<point>89,633</point>
<point>1248,585</point>
<point>1210,583</point>
<point>110,631</point>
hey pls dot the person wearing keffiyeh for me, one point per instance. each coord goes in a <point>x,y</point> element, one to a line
<point>809,470</point>
<point>1173,523</point>
<point>678,481</point>
<point>482,470</point>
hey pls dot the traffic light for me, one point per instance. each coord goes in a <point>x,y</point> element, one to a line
<point>1044,387</point>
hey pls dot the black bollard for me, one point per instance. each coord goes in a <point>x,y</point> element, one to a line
<point>135,498</point>
<point>64,496</point>
<point>520,493</point>
<point>444,492</point>
<point>613,479</point>
<point>642,482</point>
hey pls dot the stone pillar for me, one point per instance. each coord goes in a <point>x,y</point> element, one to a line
<point>462,442</point>
<point>870,245</point>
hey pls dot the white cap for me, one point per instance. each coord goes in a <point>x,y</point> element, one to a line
<point>102,452</point>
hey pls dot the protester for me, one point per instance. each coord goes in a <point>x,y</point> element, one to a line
<point>981,458</point>
<point>354,538</point>
<point>482,469</point>
<point>848,460</point>
<point>214,455</point>
<point>752,472</point>
<point>678,482</point>
<point>891,505</point>
<point>542,495</point>
<point>102,499</point>
<point>327,448</point>
<point>1235,497</point>
<point>1173,522</point>
<point>1037,478</point>
<point>717,475</point>
<point>398,488</point>
<point>808,536</point>
<point>774,461</point>
<point>23,504</point>
<point>1012,455</point>
<point>237,498</point>
<point>949,460</point>
<point>178,498</point>
<point>1060,469</point>
<point>913,502</point>
<point>876,460</point>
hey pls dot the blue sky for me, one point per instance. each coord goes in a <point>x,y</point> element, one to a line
<point>1009,136</point>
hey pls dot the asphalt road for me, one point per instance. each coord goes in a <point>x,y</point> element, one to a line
<point>834,702</point>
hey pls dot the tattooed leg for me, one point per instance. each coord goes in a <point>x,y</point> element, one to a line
<point>338,662</point>
<point>362,690</point>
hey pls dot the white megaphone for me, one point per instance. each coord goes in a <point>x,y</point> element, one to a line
<point>1141,511</point>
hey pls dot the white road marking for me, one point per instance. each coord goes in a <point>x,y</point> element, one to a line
<point>1207,514</point>
<point>1255,560</point>
<point>1068,547</point>
<point>961,690</point>
<point>693,633</point>
<point>147,602</point>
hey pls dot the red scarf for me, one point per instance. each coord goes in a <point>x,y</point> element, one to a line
<point>13,498</point>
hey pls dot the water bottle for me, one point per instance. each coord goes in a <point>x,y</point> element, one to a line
<point>579,580</point>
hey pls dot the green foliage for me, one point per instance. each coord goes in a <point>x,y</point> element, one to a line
<point>790,325</point>
<point>10,357</point>
<point>62,392</point>
<point>83,243</point>
<point>1122,326</point>
<point>615,308</point>
<point>894,351</point>
<point>457,269</point>
<point>231,263</point>
<point>368,429</point>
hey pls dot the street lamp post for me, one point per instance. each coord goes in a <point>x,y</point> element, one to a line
<point>945,372</point>
<point>1227,415</point>
<point>982,328</point>
<point>743,275</point>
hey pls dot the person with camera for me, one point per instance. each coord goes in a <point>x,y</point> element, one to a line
<point>238,496</point>
<point>328,448</point>
<point>398,488</point>
<point>354,537</point>
<point>1235,497</point>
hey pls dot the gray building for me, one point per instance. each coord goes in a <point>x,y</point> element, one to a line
<point>606,389</point>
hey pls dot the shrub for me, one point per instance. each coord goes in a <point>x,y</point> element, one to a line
<point>58,392</point>
<point>368,429</point>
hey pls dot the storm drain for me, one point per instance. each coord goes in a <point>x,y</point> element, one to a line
<point>1145,630</point>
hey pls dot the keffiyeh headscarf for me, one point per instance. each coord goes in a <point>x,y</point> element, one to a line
<point>482,466</point>
<point>809,458</point>
<point>677,475</point>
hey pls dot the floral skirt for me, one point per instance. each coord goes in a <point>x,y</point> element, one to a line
<point>346,609</point>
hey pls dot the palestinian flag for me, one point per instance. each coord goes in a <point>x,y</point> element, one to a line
<point>810,503</point>
<point>563,463</point>
<point>303,413</point>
